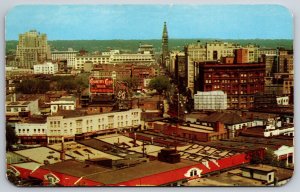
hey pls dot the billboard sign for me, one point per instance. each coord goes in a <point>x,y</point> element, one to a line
<point>101,85</point>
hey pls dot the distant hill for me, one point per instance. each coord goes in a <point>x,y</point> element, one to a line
<point>132,45</point>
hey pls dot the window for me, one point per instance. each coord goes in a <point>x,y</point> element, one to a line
<point>270,177</point>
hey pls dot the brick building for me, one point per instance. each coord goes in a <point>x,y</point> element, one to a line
<point>239,80</point>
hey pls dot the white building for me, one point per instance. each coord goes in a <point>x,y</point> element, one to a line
<point>138,58</point>
<point>15,71</point>
<point>69,55</point>
<point>64,103</point>
<point>283,100</point>
<point>13,108</point>
<point>31,129</point>
<point>271,130</point>
<point>46,68</point>
<point>60,127</point>
<point>111,52</point>
<point>95,59</point>
<point>211,100</point>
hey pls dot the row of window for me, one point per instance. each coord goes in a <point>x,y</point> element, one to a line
<point>34,130</point>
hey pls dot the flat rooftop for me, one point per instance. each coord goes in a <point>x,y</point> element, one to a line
<point>202,153</point>
<point>82,152</point>
<point>128,143</point>
<point>138,171</point>
<point>75,168</point>
<point>40,154</point>
<point>28,165</point>
<point>109,148</point>
<point>230,178</point>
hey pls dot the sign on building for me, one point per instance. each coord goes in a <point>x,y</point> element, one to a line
<point>101,85</point>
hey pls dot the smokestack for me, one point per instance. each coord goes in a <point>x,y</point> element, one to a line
<point>219,127</point>
<point>62,153</point>
<point>134,138</point>
<point>14,97</point>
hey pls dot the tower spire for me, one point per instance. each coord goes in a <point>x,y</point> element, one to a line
<point>165,46</point>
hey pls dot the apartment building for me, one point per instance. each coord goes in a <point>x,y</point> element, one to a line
<point>69,55</point>
<point>32,49</point>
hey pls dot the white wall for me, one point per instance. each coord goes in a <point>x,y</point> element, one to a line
<point>212,100</point>
<point>68,127</point>
<point>30,129</point>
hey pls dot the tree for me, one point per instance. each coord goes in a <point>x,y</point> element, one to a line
<point>268,158</point>
<point>160,84</point>
<point>132,82</point>
<point>11,137</point>
<point>33,86</point>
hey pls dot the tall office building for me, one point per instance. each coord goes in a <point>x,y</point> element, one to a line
<point>32,49</point>
<point>165,46</point>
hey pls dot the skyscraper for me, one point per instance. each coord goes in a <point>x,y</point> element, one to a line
<point>32,49</point>
<point>165,46</point>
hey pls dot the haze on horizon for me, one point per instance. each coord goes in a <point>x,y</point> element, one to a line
<point>142,22</point>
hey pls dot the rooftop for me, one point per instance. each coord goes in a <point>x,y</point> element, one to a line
<point>75,168</point>
<point>230,178</point>
<point>40,154</point>
<point>138,171</point>
<point>82,152</point>
<point>226,118</point>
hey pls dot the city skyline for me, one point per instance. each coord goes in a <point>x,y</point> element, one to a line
<point>69,22</point>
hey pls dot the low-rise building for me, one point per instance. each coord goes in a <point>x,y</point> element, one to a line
<point>32,131</point>
<point>69,55</point>
<point>65,127</point>
<point>191,132</point>
<point>64,103</point>
<point>249,175</point>
<point>210,100</point>
<point>20,108</point>
<point>45,68</point>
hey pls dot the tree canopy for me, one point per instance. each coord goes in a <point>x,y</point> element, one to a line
<point>33,86</point>
<point>11,137</point>
<point>160,84</point>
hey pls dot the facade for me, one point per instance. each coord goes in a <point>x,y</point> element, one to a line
<point>95,59</point>
<point>240,81</point>
<point>215,51</point>
<point>192,132</point>
<point>32,132</point>
<point>45,68</point>
<point>146,49</point>
<point>64,103</point>
<point>177,66</point>
<point>32,49</point>
<point>15,108</point>
<point>286,61</point>
<point>17,72</point>
<point>212,100</point>
<point>124,72</point>
<point>131,58</point>
<point>69,55</point>
<point>61,127</point>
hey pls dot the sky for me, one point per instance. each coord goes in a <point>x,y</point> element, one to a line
<point>104,22</point>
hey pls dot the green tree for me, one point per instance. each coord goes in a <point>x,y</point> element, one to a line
<point>132,82</point>
<point>160,84</point>
<point>11,137</point>
<point>33,86</point>
<point>269,158</point>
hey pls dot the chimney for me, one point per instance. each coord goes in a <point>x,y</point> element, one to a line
<point>243,114</point>
<point>219,127</point>
<point>62,153</point>
<point>14,97</point>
